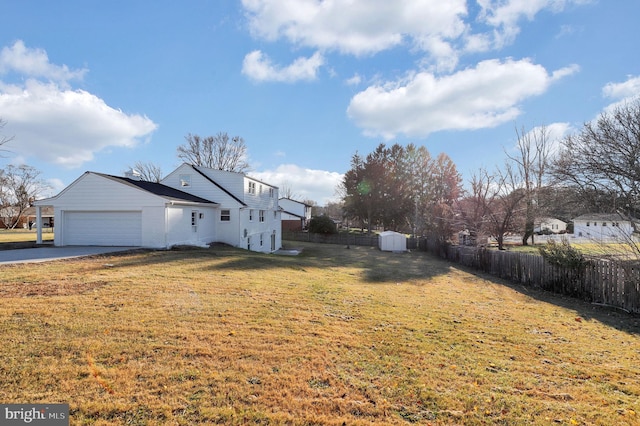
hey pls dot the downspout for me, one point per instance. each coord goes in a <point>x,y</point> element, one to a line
<point>38,224</point>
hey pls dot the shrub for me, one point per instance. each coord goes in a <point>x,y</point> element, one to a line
<point>322,225</point>
<point>562,254</point>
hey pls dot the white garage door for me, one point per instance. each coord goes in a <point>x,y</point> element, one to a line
<point>102,229</point>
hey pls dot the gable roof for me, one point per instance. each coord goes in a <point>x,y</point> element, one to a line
<point>218,185</point>
<point>295,201</point>
<point>603,217</point>
<point>292,214</point>
<point>159,189</point>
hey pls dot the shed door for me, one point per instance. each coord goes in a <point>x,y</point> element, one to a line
<point>103,228</point>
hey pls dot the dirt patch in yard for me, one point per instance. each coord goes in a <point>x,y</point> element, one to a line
<point>49,288</point>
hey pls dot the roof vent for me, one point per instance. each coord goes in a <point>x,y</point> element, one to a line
<point>133,174</point>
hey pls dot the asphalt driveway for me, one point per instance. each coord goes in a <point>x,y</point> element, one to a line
<point>45,254</point>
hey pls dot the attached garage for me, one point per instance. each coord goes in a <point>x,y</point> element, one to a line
<point>105,210</point>
<point>106,228</point>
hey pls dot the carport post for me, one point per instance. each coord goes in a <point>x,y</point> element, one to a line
<point>38,225</point>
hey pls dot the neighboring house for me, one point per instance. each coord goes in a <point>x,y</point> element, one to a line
<point>192,205</point>
<point>295,214</point>
<point>29,217</point>
<point>550,224</point>
<point>601,226</point>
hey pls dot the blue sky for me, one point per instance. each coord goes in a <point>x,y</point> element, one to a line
<point>87,85</point>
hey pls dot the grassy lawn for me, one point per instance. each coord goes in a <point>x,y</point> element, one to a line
<point>605,250</point>
<point>24,235</point>
<point>332,336</point>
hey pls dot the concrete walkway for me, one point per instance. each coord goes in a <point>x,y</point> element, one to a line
<point>45,254</point>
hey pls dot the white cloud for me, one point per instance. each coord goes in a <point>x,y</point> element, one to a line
<point>354,81</point>
<point>441,30</point>
<point>35,63</point>
<point>306,184</point>
<point>627,89</point>
<point>54,123</point>
<point>621,93</point>
<point>554,133</point>
<point>474,98</point>
<point>359,27</point>
<point>505,15</point>
<point>259,67</point>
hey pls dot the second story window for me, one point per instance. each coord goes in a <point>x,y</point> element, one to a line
<point>261,215</point>
<point>252,187</point>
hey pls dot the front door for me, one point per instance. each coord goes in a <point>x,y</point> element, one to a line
<point>194,225</point>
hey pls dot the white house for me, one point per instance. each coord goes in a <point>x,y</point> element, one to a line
<point>192,205</point>
<point>603,227</point>
<point>248,215</point>
<point>295,214</point>
<point>549,224</point>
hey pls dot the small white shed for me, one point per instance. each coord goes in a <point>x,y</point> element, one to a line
<point>392,241</point>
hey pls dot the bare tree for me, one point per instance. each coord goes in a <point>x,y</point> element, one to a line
<point>505,205</point>
<point>148,171</point>
<point>286,191</point>
<point>604,158</point>
<point>472,207</point>
<point>494,206</point>
<point>217,152</point>
<point>19,187</point>
<point>531,160</point>
<point>4,139</point>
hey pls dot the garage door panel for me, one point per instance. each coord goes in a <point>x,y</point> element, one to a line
<point>103,228</point>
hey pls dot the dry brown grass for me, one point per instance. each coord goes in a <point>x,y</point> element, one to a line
<point>332,336</point>
<point>24,235</point>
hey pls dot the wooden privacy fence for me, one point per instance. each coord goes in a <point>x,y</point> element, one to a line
<point>346,239</point>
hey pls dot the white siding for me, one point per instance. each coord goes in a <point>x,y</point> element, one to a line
<point>239,230</point>
<point>180,229</point>
<point>596,231</point>
<point>200,187</point>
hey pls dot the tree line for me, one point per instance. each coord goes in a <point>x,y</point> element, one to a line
<point>594,170</point>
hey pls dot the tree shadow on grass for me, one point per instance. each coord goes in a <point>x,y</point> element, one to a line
<point>584,310</point>
<point>375,266</point>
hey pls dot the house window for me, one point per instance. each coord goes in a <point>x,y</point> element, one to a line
<point>595,223</point>
<point>250,215</point>
<point>261,240</point>
<point>260,189</point>
<point>588,224</point>
<point>275,214</point>
<point>261,215</point>
<point>225,215</point>
<point>185,180</point>
<point>271,192</point>
<point>604,223</point>
<point>252,187</point>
